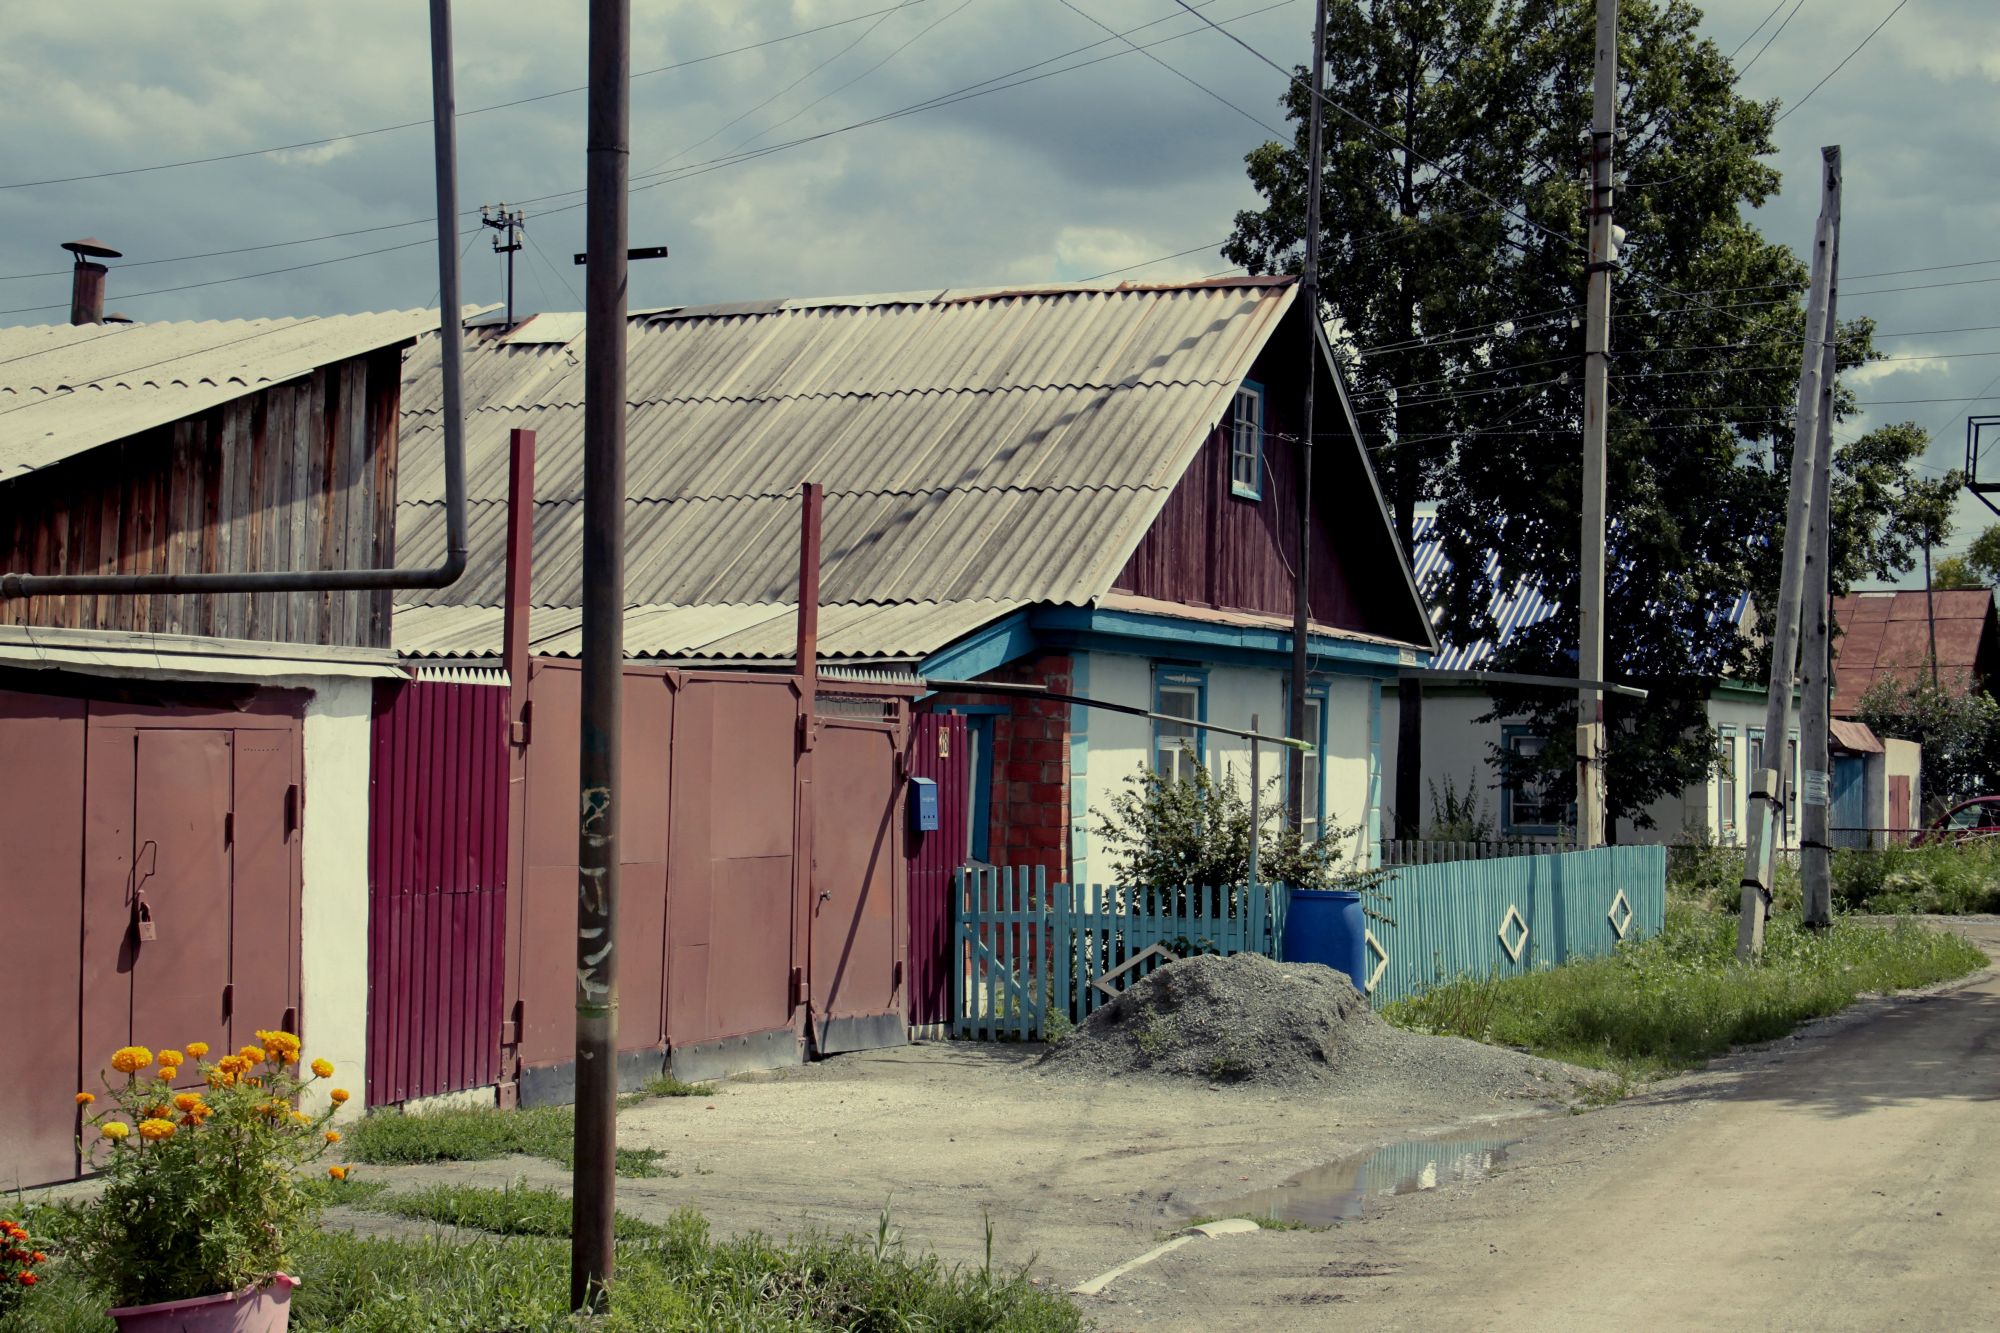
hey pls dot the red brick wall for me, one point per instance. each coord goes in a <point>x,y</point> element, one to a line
<point>1030,812</point>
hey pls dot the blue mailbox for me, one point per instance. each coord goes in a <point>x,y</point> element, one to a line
<point>923,805</point>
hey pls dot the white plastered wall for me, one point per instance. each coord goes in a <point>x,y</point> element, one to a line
<point>334,894</point>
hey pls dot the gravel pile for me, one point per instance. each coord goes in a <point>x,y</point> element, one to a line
<point>1290,1027</point>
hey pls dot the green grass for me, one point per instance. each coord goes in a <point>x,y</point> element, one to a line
<point>1264,1221</point>
<point>678,1281</point>
<point>666,1085</point>
<point>516,1210</point>
<point>1946,879</point>
<point>481,1134</point>
<point>1677,1000</point>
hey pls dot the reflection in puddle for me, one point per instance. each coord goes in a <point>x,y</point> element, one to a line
<point>1341,1190</point>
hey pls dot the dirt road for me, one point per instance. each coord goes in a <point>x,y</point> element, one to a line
<point>1847,1179</point>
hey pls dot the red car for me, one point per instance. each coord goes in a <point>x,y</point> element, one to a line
<point>1964,822</point>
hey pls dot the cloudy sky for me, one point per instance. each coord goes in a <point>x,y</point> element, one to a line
<point>1068,176</point>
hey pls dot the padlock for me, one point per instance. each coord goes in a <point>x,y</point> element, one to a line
<point>147,930</point>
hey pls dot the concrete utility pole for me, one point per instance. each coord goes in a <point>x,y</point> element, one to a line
<point>608,162</point>
<point>1767,805</point>
<point>1816,661</point>
<point>1596,408</point>
<point>1309,298</point>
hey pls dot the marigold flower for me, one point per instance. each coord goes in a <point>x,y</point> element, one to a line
<point>333,1136</point>
<point>197,1049</point>
<point>156,1129</point>
<point>38,1258</point>
<point>171,1057</point>
<point>323,1067</point>
<point>339,1095</point>
<point>187,1101</point>
<point>27,1279</point>
<point>301,1118</point>
<point>85,1098</point>
<point>253,1054</point>
<point>131,1059</point>
<point>169,1073</point>
<point>115,1130</point>
<point>337,1172</point>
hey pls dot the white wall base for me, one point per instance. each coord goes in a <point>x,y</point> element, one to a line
<point>334,899</point>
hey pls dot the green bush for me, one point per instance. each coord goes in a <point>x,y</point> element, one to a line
<point>1943,878</point>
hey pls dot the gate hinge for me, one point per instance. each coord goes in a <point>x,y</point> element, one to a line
<point>517,731</point>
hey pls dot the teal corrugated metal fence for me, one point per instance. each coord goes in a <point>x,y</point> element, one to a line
<point>1512,915</point>
<point>1025,948</point>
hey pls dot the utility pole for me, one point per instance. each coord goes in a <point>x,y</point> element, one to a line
<point>1596,408</point>
<point>608,163</point>
<point>1309,299</point>
<point>509,226</point>
<point>1767,808</point>
<point>1930,610</point>
<point>1816,662</point>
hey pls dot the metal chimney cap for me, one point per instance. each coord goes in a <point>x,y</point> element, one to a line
<point>92,248</point>
<point>117,317</point>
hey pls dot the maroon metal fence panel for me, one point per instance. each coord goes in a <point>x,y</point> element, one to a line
<point>937,752</point>
<point>857,872</point>
<point>437,862</point>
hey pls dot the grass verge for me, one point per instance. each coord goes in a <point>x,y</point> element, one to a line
<point>481,1134</point>
<point>666,1085</point>
<point>678,1281</point>
<point>516,1210</point>
<point>1677,1000</point>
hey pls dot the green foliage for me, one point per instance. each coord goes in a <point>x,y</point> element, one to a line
<point>1459,816</point>
<point>1680,998</point>
<point>1983,556</point>
<point>481,1134</point>
<point>1956,572</point>
<point>1958,730</point>
<point>201,1190</point>
<point>1711,876</point>
<point>1941,878</point>
<point>666,1085</point>
<point>516,1210</point>
<point>1458,295</point>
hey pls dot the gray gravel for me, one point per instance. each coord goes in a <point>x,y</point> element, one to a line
<point>1288,1027</point>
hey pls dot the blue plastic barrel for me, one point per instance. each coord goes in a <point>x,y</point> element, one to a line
<point>1326,926</point>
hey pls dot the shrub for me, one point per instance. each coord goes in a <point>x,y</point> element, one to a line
<point>1941,877</point>
<point>18,1258</point>
<point>201,1190</point>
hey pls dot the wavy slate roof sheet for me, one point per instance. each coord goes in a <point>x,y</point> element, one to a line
<point>66,388</point>
<point>980,450</point>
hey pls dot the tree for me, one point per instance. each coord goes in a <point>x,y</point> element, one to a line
<point>1455,273</point>
<point>1957,728</point>
<point>1983,556</point>
<point>1955,572</point>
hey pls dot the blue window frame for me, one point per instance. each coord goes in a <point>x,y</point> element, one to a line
<point>1246,442</point>
<point>1527,806</point>
<point>1314,810</point>
<point>979,765</point>
<point>1179,691</point>
<point>1725,787</point>
<point>1792,787</point>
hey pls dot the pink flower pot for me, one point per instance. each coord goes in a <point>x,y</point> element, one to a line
<point>255,1309</point>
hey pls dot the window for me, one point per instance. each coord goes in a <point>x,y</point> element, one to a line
<point>1177,747</point>
<point>1756,757</point>
<point>1313,812</point>
<point>1246,442</point>
<point>1726,784</point>
<point>1527,805</point>
<point>1792,788</point>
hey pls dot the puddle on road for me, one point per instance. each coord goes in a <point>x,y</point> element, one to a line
<point>1341,1190</point>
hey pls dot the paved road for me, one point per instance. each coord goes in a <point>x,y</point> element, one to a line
<point>1846,1180</point>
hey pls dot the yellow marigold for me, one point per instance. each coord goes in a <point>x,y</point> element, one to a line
<point>115,1130</point>
<point>333,1136</point>
<point>251,1053</point>
<point>197,1049</point>
<point>85,1098</point>
<point>187,1101</point>
<point>156,1129</point>
<point>169,1073</point>
<point>279,1047</point>
<point>337,1172</point>
<point>301,1118</point>
<point>171,1057</point>
<point>339,1095</point>
<point>323,1067</point>
<point>131,1059</point>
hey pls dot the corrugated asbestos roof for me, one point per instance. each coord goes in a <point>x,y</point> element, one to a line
<point>66,388</point>
<point>980,451</point>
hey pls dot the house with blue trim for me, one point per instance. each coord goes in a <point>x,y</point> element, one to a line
<point>1092,488</point>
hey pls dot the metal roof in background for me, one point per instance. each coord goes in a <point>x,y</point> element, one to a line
<point>67,388</point>
<point>1888,635</point>
<point>980,450</point>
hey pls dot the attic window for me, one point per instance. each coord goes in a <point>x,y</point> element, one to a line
<point>1246,442</point>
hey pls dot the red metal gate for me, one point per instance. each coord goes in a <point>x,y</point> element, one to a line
<point>858,879</point>
<point>437,887</point>
<point>938,752</point>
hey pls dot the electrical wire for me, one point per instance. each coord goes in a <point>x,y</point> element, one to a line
<point>1843,63</point>
<point>1182,75</point>
<point>1759,28</point>
<point>550,266</point>
<point>1772,38</point>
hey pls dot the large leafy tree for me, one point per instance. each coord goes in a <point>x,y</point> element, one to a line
<point>1454,273</point>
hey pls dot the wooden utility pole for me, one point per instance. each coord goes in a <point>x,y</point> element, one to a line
<point>1596,408</point>
<point>1767,807</point>
<point>1816,661</point>
<point>608,160</point>
<point>1309,299</point>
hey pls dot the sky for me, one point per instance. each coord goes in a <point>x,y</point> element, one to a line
<point>1069,176</point>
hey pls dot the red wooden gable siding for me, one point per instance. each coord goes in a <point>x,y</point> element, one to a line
<point>437,889</point>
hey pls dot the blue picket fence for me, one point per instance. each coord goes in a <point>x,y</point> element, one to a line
<point>1511,915</point>
<point>1024,949</point>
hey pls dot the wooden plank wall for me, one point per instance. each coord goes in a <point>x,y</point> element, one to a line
<point>297,476</point>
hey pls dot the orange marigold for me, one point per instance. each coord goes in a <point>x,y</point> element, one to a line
<point>131,1059</point>
<point>197,1049</point>
<point>85,1098</point>
<point>171,1057</point>
<point>156,1129</point>
<point>333,1136</point>
<point>27,1279</point>
<point>339,1095</point>
<point>187,1101</point>
<point>115,1130</point>
<point>170,1072</point>
<point>337,1172</point>
<point>323,1068</point>
<point>251,1053</point>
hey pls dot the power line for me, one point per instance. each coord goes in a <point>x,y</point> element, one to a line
<point>1157,259</point>
<point>550,266</point>
<point>1772,38</point>
<point>1177,73</point>
<point>1843,63</point>
<point>1759,28</point>
<point>474,111</point>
